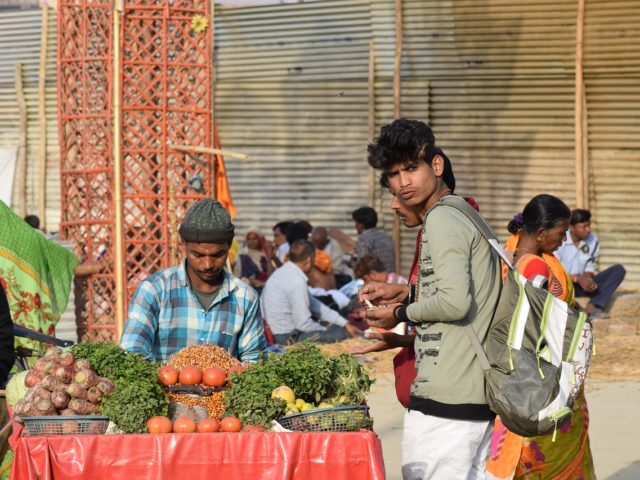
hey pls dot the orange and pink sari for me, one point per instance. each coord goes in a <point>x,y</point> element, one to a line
<point>537,458</point>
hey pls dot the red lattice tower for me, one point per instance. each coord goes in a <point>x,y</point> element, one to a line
<point>166,99</point>
<point>85,135</point>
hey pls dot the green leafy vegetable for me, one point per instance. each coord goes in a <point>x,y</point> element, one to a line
<point>137,396</point>
<point>305,370</point>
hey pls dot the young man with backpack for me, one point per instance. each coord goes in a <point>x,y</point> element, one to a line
<point>448,423</point>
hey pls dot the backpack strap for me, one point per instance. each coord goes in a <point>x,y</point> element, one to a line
<point>483,227</point>
<point>485,230</point>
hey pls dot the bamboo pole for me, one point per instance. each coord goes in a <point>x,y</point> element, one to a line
<point>372,117</point>
<point>214,161</point>
<point>42,118</point>
<point>397,65</point>
<point>21,167</point>
<point>581,186</point>
<point>215,151</point>
<point>117,173</point>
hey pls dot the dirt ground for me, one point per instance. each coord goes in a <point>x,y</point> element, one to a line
<point>617,359</point>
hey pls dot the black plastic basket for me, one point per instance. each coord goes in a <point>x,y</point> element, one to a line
<point>337,419</point>
<point>68,425</point>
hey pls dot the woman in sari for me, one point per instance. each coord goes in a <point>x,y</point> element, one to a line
<point>252,263</point>
<point>536,234</point>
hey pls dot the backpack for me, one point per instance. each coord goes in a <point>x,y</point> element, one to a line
<point>537,351</point>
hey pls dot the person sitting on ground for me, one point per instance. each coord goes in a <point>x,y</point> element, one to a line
<point>372,240</point>
<point>197,301</point>
<point>323,242</point>
<point>289,308</point>
<point>578,254</point>
<point>321,275</point>
<point>280,230</point>
<point>371,269</point>
<point>253,265</point>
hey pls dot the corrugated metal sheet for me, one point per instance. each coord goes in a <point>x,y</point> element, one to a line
<point>20,42</point>
<point>495,79</point>
<point>612,78</point>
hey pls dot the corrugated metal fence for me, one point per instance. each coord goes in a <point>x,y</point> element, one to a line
<point>20,43</point>
<point>495,79</point>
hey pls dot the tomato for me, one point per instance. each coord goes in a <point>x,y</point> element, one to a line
<point>208,425</point>
<point>159,425</point>
<point>253,429</point>
<point>184,425</point>
<point>167,375</point>
<point>214,377</point>
<point>230,424</point>
<point>190,375</point>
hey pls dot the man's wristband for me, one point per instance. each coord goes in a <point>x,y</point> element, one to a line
<point>400,313</point>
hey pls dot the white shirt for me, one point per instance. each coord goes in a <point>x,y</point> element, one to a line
<point>287,305</point>
<point>282,251</point>
<point>581,258</point>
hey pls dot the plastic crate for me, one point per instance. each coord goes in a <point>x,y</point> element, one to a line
<point>337,419</point>
<point>71,425</point>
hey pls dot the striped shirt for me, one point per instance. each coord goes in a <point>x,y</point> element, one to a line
<point>165,316</point>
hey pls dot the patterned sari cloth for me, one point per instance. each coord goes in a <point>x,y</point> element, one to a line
<point>35,273</point>
<point>537,458</point>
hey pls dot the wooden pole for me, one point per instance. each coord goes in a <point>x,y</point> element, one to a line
<point>397,65</point>
<point>581,187</point>
<point>21,167</point>
<point>42,118</point>
<point>372,117</point>
<point>212,180</point>
<point>118,173</point>
<point>214,151</point>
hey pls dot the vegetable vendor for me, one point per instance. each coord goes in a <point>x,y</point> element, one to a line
<point>197,301</point>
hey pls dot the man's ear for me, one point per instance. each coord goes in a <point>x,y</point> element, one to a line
<point>437,164</point>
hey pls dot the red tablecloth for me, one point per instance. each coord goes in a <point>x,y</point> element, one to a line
<point>185,456</point>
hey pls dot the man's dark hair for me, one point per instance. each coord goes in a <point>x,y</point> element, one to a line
<point>367,216</point>
<point>404,141</point>
<point>368,264</point>
<point>300,250</point>
<point>283,227</point>
<point>580,215</point>
<point>543,211</point>
<point>33,220</point>
<point>295,232</point>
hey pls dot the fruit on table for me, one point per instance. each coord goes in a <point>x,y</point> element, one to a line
<point>284,393</point>
<point>253,429</point>
<point>291,409</point>
<point>184,425</point>
<point>190,375</point>
<point>300,403</point>
<point>159,424</point>
<point>306,407</point>
<point>214,377</point>
<point>325,405</point>
<point>208,425</point>
<point>230,424</point>
<point>167,375</point>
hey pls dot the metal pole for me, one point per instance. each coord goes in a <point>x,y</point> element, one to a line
<point>396,113</point>
<point>42,118</point>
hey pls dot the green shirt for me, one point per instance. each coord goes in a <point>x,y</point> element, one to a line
<point>459,282</point>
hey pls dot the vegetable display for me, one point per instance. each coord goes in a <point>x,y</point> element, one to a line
<point>137,395</point>
<point>269,389</point>
<point>57,384</point>
<point>203,365</point>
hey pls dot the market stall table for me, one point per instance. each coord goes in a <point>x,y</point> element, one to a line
<point>317,456</point>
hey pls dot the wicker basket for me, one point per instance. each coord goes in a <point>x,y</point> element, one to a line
<point>338,419</point>
<point>71,425</point>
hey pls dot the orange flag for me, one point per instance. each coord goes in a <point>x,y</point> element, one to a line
<point>222,192</point>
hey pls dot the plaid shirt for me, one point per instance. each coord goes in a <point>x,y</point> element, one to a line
<point>379,243</point>
<point>166,316</point>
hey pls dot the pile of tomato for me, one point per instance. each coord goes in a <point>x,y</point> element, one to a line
<point>187,425</point>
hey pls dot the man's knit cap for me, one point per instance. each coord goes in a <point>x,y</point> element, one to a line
<point>207,221</point>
